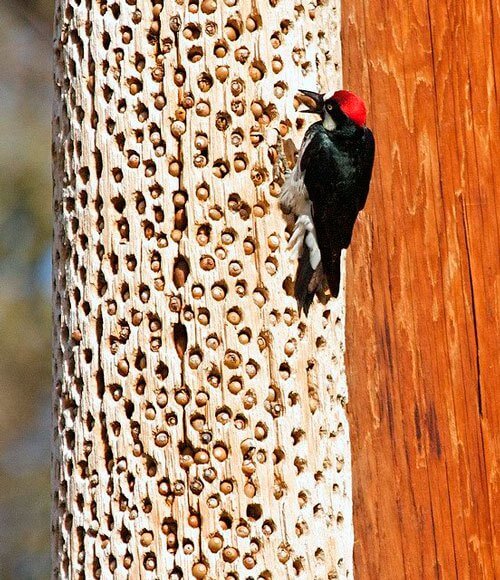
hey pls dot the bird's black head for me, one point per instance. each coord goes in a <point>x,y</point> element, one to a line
<point>338,110</point>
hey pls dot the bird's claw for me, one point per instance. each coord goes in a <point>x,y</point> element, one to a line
<point>295,243</point>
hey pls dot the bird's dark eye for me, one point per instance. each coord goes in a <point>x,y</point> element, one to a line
<point>329,107</point>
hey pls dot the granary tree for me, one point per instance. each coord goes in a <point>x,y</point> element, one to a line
<point>199,418</point>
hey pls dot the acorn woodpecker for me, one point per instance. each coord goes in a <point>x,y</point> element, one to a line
<point>327,188</point>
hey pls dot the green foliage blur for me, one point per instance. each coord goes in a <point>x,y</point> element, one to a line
<point>25,322</point>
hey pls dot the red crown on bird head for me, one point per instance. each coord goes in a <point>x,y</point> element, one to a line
<point>351,105</point>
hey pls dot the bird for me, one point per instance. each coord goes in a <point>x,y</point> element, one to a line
<point>327,189</point>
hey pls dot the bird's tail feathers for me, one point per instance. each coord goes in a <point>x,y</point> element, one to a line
<point>332,273</point>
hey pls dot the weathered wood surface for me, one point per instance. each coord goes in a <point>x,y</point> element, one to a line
<point>200,425</point>
<point>423,291</point>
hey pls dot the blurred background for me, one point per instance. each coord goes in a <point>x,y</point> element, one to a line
<point>25,325</point>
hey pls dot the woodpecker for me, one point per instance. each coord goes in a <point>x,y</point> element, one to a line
<point>327,189</point>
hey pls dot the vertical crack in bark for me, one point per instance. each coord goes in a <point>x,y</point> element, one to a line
<point>473,308</point>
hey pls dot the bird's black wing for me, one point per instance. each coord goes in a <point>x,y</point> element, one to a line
<point>366,157</point>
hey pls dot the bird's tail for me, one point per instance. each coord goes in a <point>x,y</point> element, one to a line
<point>307,281</point>
<point>332,273</point>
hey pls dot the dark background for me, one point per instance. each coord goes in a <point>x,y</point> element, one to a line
<point>25,326</point>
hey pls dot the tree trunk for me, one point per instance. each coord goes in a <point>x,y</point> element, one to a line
<point>199,421</point>
<point>423,306</point>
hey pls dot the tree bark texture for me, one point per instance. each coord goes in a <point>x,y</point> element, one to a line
<point>423,292</point>
<point>199,421</point>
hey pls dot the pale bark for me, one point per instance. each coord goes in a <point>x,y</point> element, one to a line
<point>199,422</point>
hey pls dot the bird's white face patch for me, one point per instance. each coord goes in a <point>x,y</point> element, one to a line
<point>328,123</point>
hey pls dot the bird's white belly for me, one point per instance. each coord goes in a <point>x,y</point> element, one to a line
<point>294,197</point>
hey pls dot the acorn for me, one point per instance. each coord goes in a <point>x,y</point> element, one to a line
<point>208,6</point>
<point>199,570</point>
<point>221,73</point>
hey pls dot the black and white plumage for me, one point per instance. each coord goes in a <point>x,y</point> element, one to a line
<point>327,189</point>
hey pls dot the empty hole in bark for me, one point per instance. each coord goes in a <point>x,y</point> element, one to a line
<point>110,126</point>
<point>278,456</point>
<point>83,198</point>
<point>116,428</point>
<point>254,512</point>
<point>102,284</point>
<point>180,272</point>
<point>119,203</point>
<point>84,173</point>
<point>115,10</point>
<point>98,163</point>
<point>180,338</point>
<point>297,435</point>
<point>84,242</point>
<point>300,464</point>
<point>299,123</point>
<point>107,92</point>
<point>125,291</point>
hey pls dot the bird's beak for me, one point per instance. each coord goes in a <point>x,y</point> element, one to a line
<point>313,101</point>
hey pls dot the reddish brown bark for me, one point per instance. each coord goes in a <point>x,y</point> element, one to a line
<point>423,292</point>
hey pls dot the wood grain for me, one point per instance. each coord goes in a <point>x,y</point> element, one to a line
<point>423,291</point>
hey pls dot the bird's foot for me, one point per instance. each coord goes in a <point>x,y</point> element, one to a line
<point>296,241</point>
